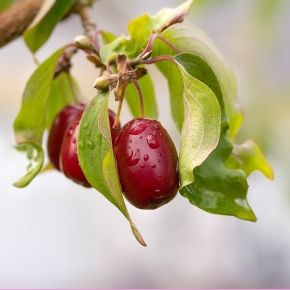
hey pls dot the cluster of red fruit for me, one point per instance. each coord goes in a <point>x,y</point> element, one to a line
<point>145,155</point>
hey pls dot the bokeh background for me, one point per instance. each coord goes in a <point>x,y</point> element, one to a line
<point>55,234</point>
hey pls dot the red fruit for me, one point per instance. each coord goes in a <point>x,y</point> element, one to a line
<point>58,128</point>
<point>147,163</point>
<point>69,163</point>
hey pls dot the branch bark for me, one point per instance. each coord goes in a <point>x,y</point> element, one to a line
<point>16,19</point>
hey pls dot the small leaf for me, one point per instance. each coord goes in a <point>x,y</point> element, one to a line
<point>107,37</point>
<point>140,29</point>
<point>150,105</point>
<point>201,128</point>
<point>249,157</point>
<point>36,156</point>
<point>37,35</point>
<point>96,155</point>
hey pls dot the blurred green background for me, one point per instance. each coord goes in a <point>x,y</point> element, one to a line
<point>57,234</point>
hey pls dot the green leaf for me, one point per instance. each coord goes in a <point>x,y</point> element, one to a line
<point>36,157</point>
<point>140,29</point>
<point>249,157</point>
<point>218,189</point>
<point>178,39</point>
<point>149,98</point>
<point>61,94</point>
<point>44,9</point>
<point>31,120</point>
<point>4,4</point>
<point>107,36</point>
<point>96,155</point>
<point>37,35</point>
<point>201,128</point>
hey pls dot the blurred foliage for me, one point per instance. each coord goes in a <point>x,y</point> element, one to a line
<point>5,4</point>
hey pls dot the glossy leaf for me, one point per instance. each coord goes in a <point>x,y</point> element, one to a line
<point>132,98</point>
<point>96,155</point>
<point>140,28</point>
<point>249,157</point>
<point>36,157</point>
<point>37,35</point>
<point>201,127</point>
<point>217,188</point>
<point>31,120</point>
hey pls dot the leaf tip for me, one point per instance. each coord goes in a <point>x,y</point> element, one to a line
<point>137,235</point>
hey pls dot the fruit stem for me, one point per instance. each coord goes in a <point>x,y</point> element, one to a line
<point>141,99</point>
<point>156,59</point>
<point>168,43</point>
<point>118,113</point>
<point>73,89</point>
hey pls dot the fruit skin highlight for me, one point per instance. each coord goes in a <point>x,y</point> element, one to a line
<point>147,163</point>
<point>57,131</point>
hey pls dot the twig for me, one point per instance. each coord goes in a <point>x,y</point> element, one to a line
<point>16,19</point>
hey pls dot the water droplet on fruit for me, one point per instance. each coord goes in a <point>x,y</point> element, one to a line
<point>152,141</point>
<point>137,129</point>
<point>70,131</point>
<point>86,125</point>
<point>141,137</point>
<point>153,165</point>
<point>159,161</point>
<point>157,190</point>
<point>146,157</point>
<point>88,133</point>
<point>142,165</point>
<point>81,144</point>
<point>74,140</point>
<point>133,158</point>
<point>91,144</point>
<point>156,126</point>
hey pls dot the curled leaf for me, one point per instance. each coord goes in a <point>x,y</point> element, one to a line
<point>36,156</point>
<point>249,157</point>
<point>201,127</point>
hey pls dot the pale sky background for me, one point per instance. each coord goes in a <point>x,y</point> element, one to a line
<point>56,234</point>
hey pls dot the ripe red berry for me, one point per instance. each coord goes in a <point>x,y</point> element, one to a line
<point>147,163</point>
<point>69,163</point>
<point>58,128</point>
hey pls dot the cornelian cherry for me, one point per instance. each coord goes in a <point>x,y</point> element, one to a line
<point>58,128</point>
<point>147,163</point>
<point>62,141</point>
